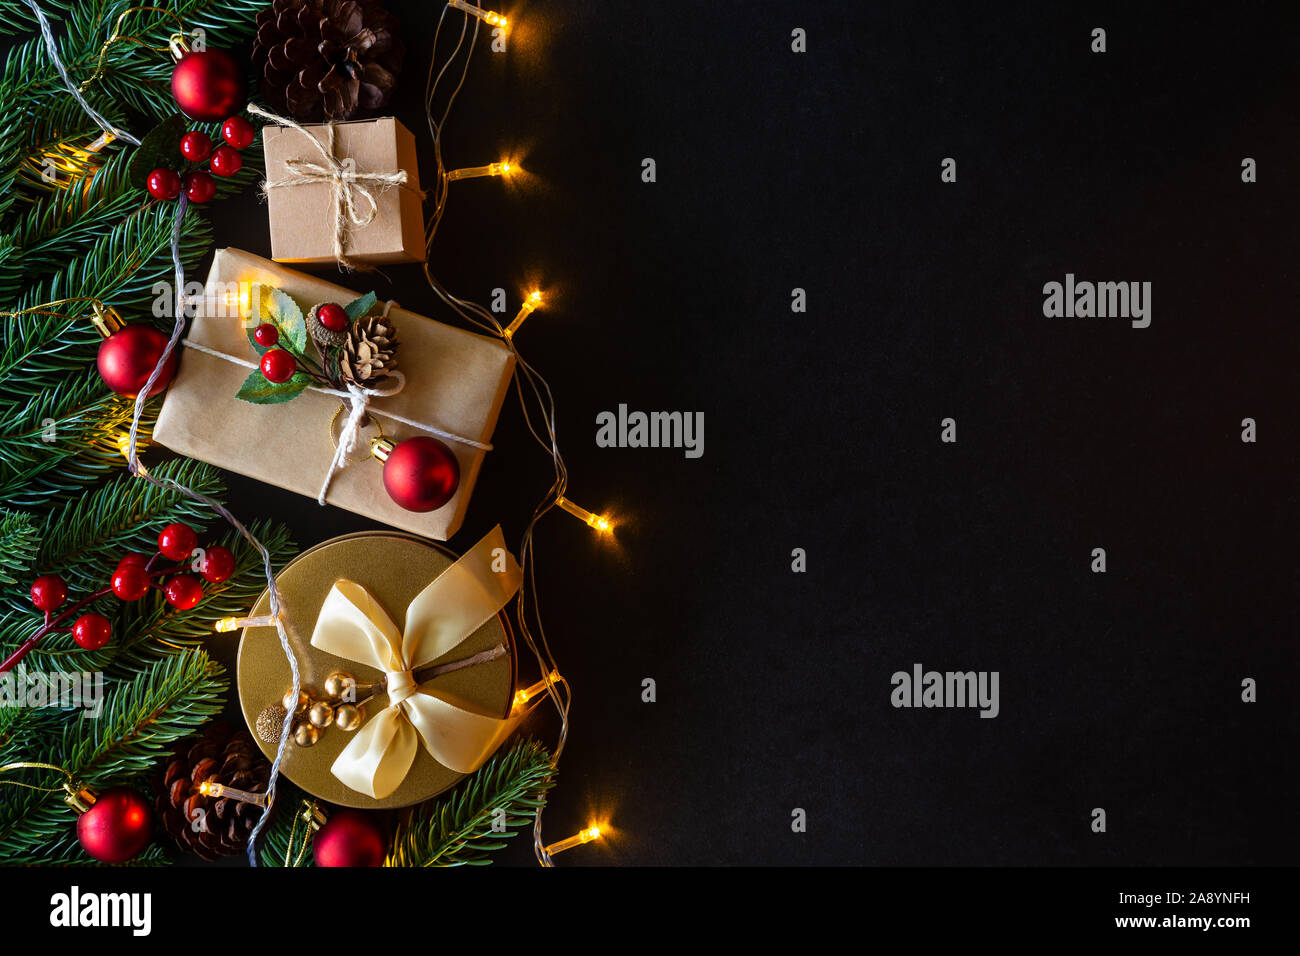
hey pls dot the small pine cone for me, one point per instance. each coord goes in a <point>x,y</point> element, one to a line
<point>212,827</point>
<point>368,355</point>
<point>325,338</point>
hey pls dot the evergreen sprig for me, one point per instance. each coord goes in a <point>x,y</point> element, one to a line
<point>19,544</point>
<point>458,831</point>
<point>141,718</point>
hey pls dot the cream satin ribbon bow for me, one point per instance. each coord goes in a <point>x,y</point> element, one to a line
<point>354,625</point>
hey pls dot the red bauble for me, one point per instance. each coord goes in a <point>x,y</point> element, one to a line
<point>92,631</point>
<point>226,161</point>
<point>130,582</point>
<point>421,474</point>
<point>350,838</point>
<point>218,564</point>
<point>332,317</point>
<point>238,132</point>
<point>266,335</point>
<point>196,146</point>
<point>49,592</point>
<point>177,541</point>
<point>208,85</point>
<point>128,356</point>
<point>163,183</point>
<point>116,827</point>
<point>136,559</point>
<point>183,592</point>
<point>278,366</point>
<point>200,187</point>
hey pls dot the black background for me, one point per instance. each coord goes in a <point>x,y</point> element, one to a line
<point>820,170</point>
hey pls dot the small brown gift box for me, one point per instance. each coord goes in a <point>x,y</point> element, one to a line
<point>455,381</point>
<point>301,215</point>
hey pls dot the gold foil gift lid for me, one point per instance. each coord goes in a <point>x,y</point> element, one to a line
<point>395,568</point>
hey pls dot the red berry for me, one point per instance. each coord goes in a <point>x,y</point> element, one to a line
<point>92,631</point>
<point>183,592</point>
<point>226,161</point>
<point>278,366</point>
<point>196,146</point>
<point>332,317</point>
<point>49,592</point>
<point>266,335</point>
<point>200,187</point>
<point>163,184</point>
<point>238,132</point>
<point>177,542</point>
<point>218,564</point>
<point>136,559</point>
<point>130,582</point>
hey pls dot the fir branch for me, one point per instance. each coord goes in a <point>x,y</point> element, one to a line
<point>19,545</point>
<point>142,718</point>
<point>458,831</point>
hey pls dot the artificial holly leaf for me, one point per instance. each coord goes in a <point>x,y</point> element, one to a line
<point>259,391</point>
<point>359,307</point>
<point>160,148</point>
<point>269,304</point>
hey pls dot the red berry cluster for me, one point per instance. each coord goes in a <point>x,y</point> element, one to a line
<point>135,576</point>
<point>278,365</point>
<point>196,147</point>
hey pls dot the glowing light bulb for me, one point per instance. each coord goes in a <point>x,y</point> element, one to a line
<point>599,522</point>
<point>487,16</point>
<point>531,303</point>
<point>503,168</point>
<point>528,693</point>
<point>227,624</point>
<point>210,788</point>
<point>582,836</point>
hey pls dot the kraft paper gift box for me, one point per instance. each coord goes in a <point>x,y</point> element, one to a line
<point>456,381</point>
<point>301,214</point>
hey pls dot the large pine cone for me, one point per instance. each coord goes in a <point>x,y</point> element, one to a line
<point>369,353</point>
<point>327,59</point>
<point>208,826</point>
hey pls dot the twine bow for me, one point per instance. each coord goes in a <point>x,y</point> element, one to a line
<point>350,188</point>
<point>354,625</point>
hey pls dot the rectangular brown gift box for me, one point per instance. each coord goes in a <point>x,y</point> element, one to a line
<point>300,215</point>
<point>455,381</point>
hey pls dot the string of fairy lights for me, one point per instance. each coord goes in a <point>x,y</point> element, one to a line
<point>535,398</point>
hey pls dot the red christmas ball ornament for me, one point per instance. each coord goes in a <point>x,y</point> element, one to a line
<point>128,356</point>
<point>196,146</point>
<point>278,366</point>
<point>218,564</point>
<point>177,541</point>
<point>266,335</point>
<point>226,161</point>
<point>116,827</point>
<point>163,183</point>
<point>421,474</point>
<point>92,631</point>
<point>350,838</point>
<point>332,317</point>
<point>130,582</point>
<point>183,592</point>
<point>238,132</point>
<point>136,559</point>
<point>49,592</point>
<point>200,187</point>
<point>208,85</point>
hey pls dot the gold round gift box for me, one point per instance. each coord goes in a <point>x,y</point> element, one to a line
<point>394,567</point>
